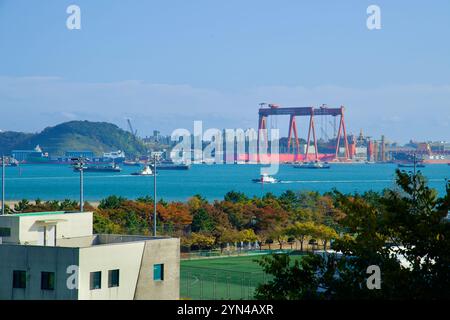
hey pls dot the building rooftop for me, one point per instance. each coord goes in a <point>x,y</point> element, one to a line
<point>103,239</point>
<point>72,229</point>
<point>30,214</point>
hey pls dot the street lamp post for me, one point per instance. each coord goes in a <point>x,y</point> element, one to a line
<point>3,185</point>
<point>154,195</point>
<point>81,189</point>
<point>155,156</point>
<point>79,165</point>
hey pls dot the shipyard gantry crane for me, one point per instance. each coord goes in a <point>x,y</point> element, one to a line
<point>267,110</point>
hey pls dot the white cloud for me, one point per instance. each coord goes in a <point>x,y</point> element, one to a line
<point>398,111</point>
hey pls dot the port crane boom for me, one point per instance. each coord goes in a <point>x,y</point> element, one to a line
<point>133,132</point>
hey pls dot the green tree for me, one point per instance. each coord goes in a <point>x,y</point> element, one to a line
<point>406,222</point>
<point>22,206</point>
<point>300,230</point>
<point>202,221</point>
<point>247,235</point>
<point>291,280</point>
<point>202,241</point>
<point>325,234</point>
<point>235,197</point>
<point>226,235</point>
<point>111,202</point>
<point>278,233</point>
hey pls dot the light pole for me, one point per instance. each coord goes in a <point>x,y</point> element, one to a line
<point>155,156</point>
<point>79,165</point>
<point>3,185</point>
<point>154,195</point>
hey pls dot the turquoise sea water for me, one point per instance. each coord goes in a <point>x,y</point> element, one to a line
<point>57,182</point>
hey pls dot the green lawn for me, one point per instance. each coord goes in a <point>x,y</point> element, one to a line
<point>221,278</point>
<point>236,264</point>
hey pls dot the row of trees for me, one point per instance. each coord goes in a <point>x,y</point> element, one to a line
<point>237,218</point>
<point>404,232</point>
<point>204,225</point>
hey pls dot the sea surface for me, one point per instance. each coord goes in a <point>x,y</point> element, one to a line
<point>57,182</point>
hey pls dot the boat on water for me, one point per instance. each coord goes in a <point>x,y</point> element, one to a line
<point>131,163</point>
<point>411,165</point>
<point>170,165</point>
<point>10,164</point>
<point>97,168</point>
<point>146,171</point>
<point>265,178</point>
<point>312,165</point>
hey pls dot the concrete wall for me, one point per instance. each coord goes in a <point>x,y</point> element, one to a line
<point>123,256</point>
<point>7,221</point>
<point>71,225</point>
<point>34,260</point>
<point>77,242</point>
<point>167,252</point>
<point>135,260</point>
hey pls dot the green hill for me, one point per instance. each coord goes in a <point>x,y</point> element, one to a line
<point>10,139</point>
<point>98,137</point>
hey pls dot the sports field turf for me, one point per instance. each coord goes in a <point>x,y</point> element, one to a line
<point>221,278</point>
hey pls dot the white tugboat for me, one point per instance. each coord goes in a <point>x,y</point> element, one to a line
<point>146,171</point>
<point>265,178</point>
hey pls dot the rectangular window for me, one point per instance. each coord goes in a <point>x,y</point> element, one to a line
<point>5,232</point>
<point>158,272</point>
<point>113,278</point>
<point>96,280</point>
<point>19,279</point>
<point>47,281</point>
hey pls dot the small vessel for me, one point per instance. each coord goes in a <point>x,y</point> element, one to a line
<point>9,162</point>
<point>312,165</point>
<point>146,171</point>
<point>411,165</point>
<point>170,165</point>
<point>131,163</point>
<point>265,178</point>
<point>115,155</point>
<point>108,168</point>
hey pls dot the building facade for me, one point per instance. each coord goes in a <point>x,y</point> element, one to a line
<point>55,255</point>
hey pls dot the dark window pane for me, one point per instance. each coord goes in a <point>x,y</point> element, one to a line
<point>113,278</point>
<point>47,280</point>
<point>96,280</point>
<point>19,279</point>
<point>5,232</point>
<point>158,272</point>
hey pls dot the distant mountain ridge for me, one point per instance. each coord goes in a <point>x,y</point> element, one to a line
<point>98,137</point>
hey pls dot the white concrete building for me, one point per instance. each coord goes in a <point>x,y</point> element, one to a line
<point>55,255</point>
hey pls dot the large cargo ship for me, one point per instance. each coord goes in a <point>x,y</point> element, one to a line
<point>442,158</point>
<point>109,168</point>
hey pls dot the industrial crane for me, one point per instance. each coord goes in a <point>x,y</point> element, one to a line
<point>133,132</point>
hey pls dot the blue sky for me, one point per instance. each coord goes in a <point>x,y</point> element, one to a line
<point>167,63</point>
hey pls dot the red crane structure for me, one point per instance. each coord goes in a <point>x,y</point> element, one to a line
<point>275,110</point>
